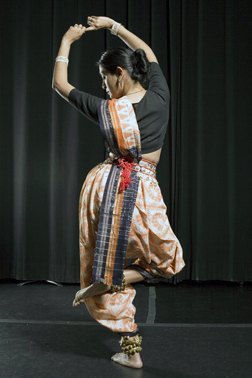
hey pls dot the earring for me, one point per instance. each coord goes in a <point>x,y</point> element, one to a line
<point>120,82</point>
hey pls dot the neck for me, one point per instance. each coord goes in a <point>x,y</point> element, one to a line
<point>134,89</point>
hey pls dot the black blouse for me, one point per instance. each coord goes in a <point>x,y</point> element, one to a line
<point>152,112</point>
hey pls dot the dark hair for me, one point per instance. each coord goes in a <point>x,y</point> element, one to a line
<point>135,62</point>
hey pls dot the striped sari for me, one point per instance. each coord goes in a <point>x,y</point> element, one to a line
<point>121,134</point>
<point>122,216</point>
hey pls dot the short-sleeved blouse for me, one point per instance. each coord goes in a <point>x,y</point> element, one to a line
<point>152,112</point>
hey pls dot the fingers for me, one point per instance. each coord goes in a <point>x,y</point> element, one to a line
<point>78,27</point>
<point>90,28</point>
<point>92,21</point>
<point>79,30</point>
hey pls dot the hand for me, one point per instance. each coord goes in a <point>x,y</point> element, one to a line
<point>74,33</point>
<point>100,22</point>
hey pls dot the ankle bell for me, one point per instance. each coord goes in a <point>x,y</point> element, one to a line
<point>116,288</point>
<point>130,347</point>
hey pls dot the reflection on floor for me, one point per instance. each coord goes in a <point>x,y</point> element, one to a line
<point>189,330</point>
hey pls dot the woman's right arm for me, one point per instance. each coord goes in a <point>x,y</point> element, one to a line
<point>135,43</point>
<point>129,38</point>
<point>60,76</point>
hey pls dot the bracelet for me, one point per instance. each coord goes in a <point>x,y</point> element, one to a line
<point>115,27</point>
<point>62,59</point>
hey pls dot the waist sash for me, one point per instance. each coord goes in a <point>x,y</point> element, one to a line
<point>122,138</point>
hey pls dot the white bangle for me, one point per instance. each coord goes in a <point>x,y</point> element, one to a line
<point>62,59</point>
<point>115,27</point>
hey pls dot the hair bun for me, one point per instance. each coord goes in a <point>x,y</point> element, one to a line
<point>135,62</point>
<point>140,65</point>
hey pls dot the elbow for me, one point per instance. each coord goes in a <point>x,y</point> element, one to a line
<point>55,86</point>
<point>56,82</point>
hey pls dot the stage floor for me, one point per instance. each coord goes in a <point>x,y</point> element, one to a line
<point>189,330</point>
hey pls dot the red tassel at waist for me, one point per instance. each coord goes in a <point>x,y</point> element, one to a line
<point>126,163</point>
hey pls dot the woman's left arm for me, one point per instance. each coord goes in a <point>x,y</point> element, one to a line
<point>60,77</point>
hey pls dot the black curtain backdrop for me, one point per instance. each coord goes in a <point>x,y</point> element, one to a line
<point>205,50</point>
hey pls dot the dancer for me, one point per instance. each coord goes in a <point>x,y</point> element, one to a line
<point>121,213</point>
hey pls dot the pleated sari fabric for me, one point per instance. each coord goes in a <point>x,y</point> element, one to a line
<point>121,134</point>
<point>117,224</point>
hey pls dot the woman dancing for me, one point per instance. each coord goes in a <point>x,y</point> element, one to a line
<point>122,214</point>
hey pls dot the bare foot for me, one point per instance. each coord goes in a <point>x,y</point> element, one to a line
<point>90,291</point>
<point>79,297</point>
<point>129,361</point>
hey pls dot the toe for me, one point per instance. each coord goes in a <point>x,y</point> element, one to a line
<point>115,357</point>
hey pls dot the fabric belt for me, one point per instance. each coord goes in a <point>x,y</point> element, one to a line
<point>143,166</point>
<point>146,167</point>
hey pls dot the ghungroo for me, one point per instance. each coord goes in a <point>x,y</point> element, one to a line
<point>115,288</point>
<point>130,347</point>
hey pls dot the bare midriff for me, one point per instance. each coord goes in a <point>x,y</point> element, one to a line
<point>153,156</point>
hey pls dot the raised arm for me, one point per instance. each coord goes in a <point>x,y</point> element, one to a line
<point>60,77</point>
<point>129,38</point>
<point>136,43</point>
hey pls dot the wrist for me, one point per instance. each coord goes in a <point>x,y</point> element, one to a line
<point>111,23</point>
<point>66,42</point>
<point>115,27</point>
